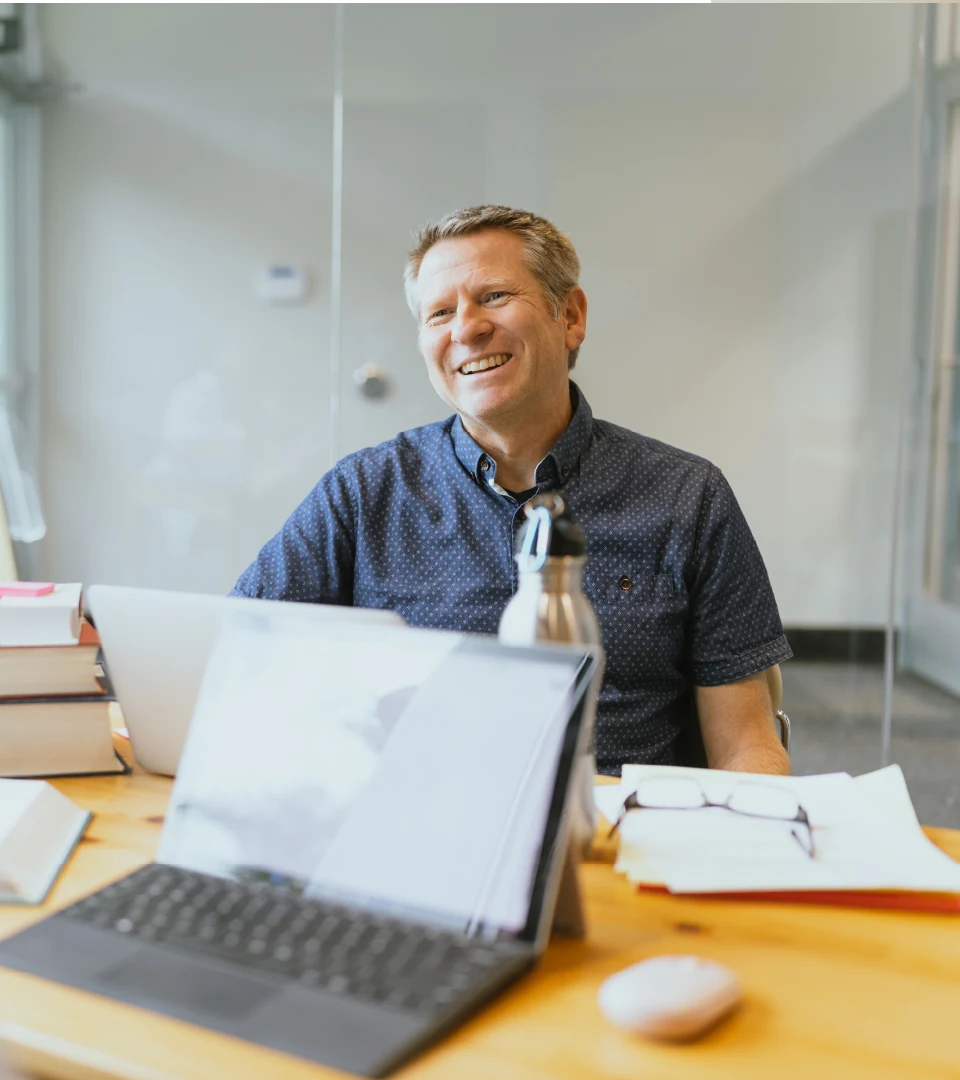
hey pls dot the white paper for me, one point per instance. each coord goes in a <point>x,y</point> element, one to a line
<point>609,798</point>
<point>16,798</point>
<point>887,790</point>
<point>468,850</point>
<point>865,835</point>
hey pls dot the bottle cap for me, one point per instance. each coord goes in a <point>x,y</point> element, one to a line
<point>548,532</point>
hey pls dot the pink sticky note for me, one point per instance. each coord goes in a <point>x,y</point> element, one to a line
<point>26,588</point>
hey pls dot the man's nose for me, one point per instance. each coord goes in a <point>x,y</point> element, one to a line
<point>470,323</point>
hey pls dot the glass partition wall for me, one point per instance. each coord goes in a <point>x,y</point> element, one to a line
<point>927,665</point>
<point>749,248</point>
<point>186,165</point>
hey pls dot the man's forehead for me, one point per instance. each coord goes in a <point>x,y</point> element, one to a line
<point>473,259</point>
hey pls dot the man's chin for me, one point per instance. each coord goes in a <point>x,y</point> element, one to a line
<point>486,404</point>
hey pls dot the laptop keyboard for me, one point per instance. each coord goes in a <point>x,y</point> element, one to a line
<point>317,944</point>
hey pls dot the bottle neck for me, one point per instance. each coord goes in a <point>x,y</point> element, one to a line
<point>559,574</point>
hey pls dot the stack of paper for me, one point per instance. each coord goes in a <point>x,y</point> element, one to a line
<point>866,836</point>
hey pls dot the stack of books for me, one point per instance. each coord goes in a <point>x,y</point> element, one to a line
<point>54,696</point>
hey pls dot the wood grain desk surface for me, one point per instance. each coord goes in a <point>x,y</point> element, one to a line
<point>829,992</point>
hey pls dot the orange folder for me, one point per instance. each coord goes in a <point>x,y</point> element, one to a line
<point>939,903</point>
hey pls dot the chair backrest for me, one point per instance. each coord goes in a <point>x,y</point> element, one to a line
<point>775,682</point>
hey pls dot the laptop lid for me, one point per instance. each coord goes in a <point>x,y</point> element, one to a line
<point>420,773</point>
<point>156,645</point>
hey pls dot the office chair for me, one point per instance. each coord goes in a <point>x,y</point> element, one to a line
<point>775,683</point>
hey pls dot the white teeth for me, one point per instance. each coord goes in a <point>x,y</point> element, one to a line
<point>484,364</point>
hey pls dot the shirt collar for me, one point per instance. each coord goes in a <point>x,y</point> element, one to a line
<point>565,453</point>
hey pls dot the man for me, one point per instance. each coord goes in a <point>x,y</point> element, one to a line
<point>426,524</point>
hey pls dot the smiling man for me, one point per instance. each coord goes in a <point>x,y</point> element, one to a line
<point>425,524</point>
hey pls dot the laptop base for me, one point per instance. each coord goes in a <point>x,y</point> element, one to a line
<point>344,1033</point>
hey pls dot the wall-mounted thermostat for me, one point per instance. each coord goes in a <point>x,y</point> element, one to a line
<point>281,283</point>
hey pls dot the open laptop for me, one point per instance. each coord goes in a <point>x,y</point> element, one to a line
<point>379,853</point>
<point>156,645</point>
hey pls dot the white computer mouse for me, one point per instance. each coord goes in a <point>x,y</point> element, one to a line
<point>669,997</point>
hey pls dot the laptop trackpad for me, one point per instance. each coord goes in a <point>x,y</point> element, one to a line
<point>191,986</point>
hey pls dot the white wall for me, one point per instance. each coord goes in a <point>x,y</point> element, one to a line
<point>735,180</point>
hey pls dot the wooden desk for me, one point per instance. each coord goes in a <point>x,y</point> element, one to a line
<point>829,992</point>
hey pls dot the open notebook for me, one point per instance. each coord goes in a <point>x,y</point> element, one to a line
<point>39,828</point>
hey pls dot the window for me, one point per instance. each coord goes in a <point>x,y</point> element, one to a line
<point>19,189</point>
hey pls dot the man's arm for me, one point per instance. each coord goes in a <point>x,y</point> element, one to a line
<point>734,630</point>
<point>311,559</point>
<point>737,725</point>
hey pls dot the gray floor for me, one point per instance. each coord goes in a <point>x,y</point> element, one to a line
<point>836,711</point>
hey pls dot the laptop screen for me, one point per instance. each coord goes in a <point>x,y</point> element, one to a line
<point>416,772</point>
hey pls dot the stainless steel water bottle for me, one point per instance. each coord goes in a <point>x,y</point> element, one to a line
<point>549,605</point>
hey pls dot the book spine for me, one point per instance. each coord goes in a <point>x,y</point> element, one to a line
<point>49,699</point>
<point>103,675</point>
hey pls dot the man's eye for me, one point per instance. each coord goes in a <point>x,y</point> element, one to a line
<point>497,295</point>
<point>438,314</point>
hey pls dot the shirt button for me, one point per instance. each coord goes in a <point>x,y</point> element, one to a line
<point>565,471</point>
<point>485,465</point>
<point>626,584</point>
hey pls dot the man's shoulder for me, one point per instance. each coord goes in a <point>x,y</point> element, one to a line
<point>419,444</point>
<point>647,452</point>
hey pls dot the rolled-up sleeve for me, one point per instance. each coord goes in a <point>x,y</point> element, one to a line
<point>735,629</point>
<point>311,559</point>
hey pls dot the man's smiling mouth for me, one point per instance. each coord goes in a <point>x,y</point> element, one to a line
<point>484,364</point>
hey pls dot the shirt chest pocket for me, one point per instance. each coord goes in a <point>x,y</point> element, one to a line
<point>642,614</point>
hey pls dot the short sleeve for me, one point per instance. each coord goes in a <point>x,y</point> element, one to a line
<point>311,559</point>
<point>735,628</point>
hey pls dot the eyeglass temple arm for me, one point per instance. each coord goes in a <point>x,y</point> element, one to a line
<point>632,798</point>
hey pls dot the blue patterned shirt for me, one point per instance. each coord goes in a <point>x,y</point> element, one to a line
<point>418,525</point>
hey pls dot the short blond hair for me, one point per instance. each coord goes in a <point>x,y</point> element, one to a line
<point>550,255</point>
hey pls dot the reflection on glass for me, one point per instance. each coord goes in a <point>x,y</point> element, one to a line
<point>949,575</point>
<point>943,520</point>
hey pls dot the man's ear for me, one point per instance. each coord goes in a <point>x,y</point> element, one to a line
<point>574,315</point>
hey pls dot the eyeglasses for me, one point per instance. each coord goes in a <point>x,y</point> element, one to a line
<point>756,800</point>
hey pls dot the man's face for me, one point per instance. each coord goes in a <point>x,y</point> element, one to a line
<point>481,307</point>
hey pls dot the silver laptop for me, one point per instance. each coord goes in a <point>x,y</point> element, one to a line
<point>156,645</point>
<point>358,870</point>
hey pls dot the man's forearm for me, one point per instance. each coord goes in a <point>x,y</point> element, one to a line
<point>761,757</point>
<point>736,721</point>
